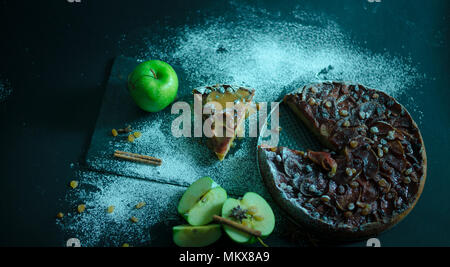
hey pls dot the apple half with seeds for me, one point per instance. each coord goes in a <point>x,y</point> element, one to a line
<point>252,211</point>
<point>203,199</point>
<point>196,236</point>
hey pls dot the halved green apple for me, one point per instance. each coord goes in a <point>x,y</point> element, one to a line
<point>203,199</point>
<point>253,211</point>
<point>210,204</point>
<point>196,236</point>
<point>194,192</point>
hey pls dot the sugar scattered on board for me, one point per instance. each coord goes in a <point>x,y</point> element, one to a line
<point>110,203</point>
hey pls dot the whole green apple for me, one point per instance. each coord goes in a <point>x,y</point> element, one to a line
<point>153,85</point>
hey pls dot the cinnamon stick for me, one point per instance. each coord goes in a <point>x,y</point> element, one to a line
<point>237,226</point>
<point>137,157</point>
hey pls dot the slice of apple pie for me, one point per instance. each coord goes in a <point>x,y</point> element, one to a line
<point>224,110</point>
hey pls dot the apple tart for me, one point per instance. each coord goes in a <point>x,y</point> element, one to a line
<point>371,173</point>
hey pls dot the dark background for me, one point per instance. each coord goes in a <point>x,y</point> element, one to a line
<point>57,56</point>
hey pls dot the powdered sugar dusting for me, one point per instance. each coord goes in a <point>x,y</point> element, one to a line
<point>184,159</point>
<point>260,50</point>
<point>97,227</point>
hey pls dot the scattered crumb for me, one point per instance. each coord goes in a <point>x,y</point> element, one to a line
<point>100,191</point>
<point>60,215</point>
<point>74,184</point>
<point>114,132</point>
<point>140,205</point>
<point>110,209</point>
<point>134,219</point>
<point>81,208</point>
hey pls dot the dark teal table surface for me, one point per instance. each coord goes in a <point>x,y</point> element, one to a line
<point>57,57</point>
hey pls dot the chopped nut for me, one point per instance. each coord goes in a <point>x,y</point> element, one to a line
<point>137,134</point>
<point>354,184</point>
<point>131,138</point>
<point>353,144</point>
<point>312,101</point>
<point>60,215</point>
<point>125,130</point>
<point>361,204</point>
<point>110,209</point>
<point>325,198</point>
<point>380,152</point>
<point>408,171</point>
<point>362,115</point>
<point>351,206</point>
<point>375,96</point>
<point>390,135</point>
<point>313,90</point>
<point>407,180</point>
<point>374,129</point>
<point>81,208</point>
<point>278,158</point>
<point>140,205</point>
<point>346,124</point>
<point>382,182</point>
<point>134,219</point>
<point>324,130</point>
<point>74,184</point>
<point>328,104</point>
<point>114,132</point>
<point>366,210</point>
<point>343,112</point>
<point>385,149</point>
<point>349,171</point>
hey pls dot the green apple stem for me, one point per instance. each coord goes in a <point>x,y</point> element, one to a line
<point>154,73</point>
<point>262,243</point>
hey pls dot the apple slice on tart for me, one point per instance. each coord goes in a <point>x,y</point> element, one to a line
<point>224,109</point>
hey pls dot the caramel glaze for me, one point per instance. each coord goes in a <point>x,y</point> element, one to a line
<point>374,142</point>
